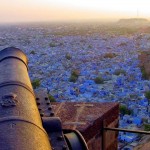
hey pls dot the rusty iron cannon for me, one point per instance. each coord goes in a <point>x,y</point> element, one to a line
<point>22,127</point>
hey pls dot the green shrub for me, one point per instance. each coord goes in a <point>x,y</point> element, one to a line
<point>147,94</point>
<point>52,44</point>
<point>146,127</point>
<point>75,73</point>
<point>99,80</point>
<point>51,98</point>
<point>144,74</point>
<point>110,55</point>
<point>90,47</point>
<point>36,83</point>
<point>120,71</point>
<point>133,95</point>
<point>32,52</point>
<point>73,78</point>
<point>124,110</point>
<point>68,56</point>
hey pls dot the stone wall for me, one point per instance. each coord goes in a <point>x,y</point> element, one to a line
<point>144,64</point>
<point>89,119</point>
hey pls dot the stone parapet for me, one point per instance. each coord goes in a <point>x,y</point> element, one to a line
<point>89,119</point>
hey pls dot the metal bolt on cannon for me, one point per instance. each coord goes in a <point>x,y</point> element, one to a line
<point>27,122</point>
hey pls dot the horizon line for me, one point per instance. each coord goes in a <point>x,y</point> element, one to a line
<point>71,21</point>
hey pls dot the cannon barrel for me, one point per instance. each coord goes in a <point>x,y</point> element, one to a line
<point>20,122</point>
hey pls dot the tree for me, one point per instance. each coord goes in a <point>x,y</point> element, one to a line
<point>144,74</point>
<point>68,56</point>
<point>147,95</point>
<point>73,78</point>
<point>99,80</point>
<point>51,98</point>
<point>74,75</point>
<point>124,110</point>
<point>36,83</point>
<point>146,127</point>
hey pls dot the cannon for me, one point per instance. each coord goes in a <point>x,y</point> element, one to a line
<point>21,125</point>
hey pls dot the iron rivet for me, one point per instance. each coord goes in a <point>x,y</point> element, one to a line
<point>46,98</point>
<point>38,103</point>
<point>48,103</point>
<point>49,108</point>
<point>52,114</point>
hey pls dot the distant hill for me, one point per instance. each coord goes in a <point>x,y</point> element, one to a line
<point>134,21</point>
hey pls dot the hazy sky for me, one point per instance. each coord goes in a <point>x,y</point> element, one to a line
<point>57,10</point>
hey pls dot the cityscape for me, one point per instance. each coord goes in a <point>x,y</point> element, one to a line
<point>90,62</point>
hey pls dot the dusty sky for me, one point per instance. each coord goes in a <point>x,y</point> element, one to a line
<point>70,10</point>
